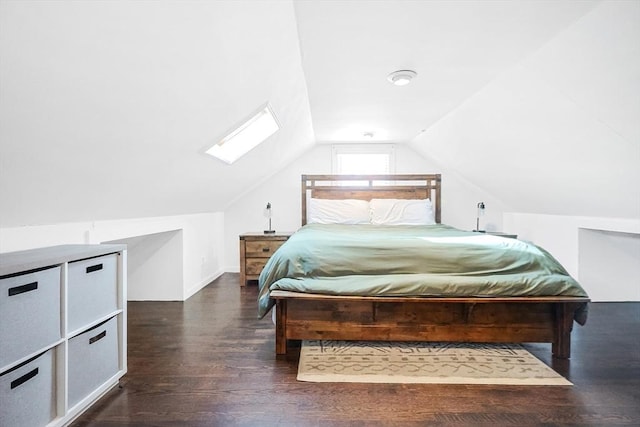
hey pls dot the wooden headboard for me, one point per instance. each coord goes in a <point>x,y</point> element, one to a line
<point>367,187</point>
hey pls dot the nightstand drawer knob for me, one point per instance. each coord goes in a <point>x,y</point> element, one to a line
<point>266,249</point>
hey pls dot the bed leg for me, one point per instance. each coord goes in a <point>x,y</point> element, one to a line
<point>561,346</point>
<point>281,326</point>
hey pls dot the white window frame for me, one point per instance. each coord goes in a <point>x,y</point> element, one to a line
<point>337,149</point>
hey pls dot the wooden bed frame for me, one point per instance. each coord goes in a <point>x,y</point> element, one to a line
<point>302,316</point>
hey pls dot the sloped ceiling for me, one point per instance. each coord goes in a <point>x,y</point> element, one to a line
<point>106,107</point>
<point>456,47</point>
<point>559,133</point>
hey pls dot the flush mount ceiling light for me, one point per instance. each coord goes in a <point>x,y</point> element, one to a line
<point>402,77</point>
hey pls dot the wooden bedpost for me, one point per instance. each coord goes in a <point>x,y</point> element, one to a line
<point>561,346</point>
<point>436,194</point>
<point>281,326</point>
<point>303,200</point>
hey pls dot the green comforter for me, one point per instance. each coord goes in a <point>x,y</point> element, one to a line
<point>430,260</point>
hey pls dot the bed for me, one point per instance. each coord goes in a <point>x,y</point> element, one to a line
<point>462,286</point>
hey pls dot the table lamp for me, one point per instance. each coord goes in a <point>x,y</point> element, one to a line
<point>480,213</point>
<point>268,214</point>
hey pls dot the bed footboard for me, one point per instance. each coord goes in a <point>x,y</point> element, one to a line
<point>516,319</point>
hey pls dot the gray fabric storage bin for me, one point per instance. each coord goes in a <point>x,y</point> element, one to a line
<point>29,313</point>
<point>27,393</point>
<point>93,359</point>
<point>92,290</point>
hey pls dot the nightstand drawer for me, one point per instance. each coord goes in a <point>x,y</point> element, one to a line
<point>254,266</point>
<point>262,248</point>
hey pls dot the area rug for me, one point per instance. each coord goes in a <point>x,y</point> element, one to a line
<point>416,362</point>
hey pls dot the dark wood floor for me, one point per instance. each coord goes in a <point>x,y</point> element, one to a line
<point>210,362</point>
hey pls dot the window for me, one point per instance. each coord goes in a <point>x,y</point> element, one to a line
<point>246,137</point>
<point>363,159</point>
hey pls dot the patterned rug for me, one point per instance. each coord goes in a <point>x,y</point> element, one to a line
<point>415,362</point>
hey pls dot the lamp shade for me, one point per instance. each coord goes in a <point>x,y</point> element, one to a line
<point>480,208</point>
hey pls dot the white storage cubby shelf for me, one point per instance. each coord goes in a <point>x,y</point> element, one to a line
<point>63,334</point>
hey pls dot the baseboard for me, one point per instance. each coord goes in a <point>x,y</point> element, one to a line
<point>194,289</point>
<point>232,269</point>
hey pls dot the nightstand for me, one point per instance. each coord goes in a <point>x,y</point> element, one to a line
<point>501,234</point>
<point>255,250</point>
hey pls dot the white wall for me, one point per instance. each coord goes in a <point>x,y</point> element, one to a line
<point>560,235</point>
<point>608,264</point>
<point>200,237</point>
<point>459,197</point>
<point>154,266</point>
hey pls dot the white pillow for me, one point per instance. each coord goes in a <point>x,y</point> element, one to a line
<point>402,212</point>
<point>347,211</point>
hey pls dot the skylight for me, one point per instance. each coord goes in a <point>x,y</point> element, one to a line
<point>246,137</point>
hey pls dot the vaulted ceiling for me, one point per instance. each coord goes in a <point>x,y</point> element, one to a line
<point>106,108</point>
<point>456,47</point>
